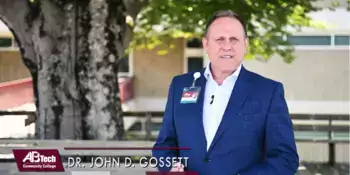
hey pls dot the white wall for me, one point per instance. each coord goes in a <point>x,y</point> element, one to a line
<point>315,75</point>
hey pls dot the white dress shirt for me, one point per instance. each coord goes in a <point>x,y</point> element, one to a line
<point>213,112</point>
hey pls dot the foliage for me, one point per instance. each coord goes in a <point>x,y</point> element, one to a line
<point>335,4</point>
<point>266,21</point>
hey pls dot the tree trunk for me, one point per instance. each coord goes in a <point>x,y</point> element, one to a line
<point>100,49</point>
<point>76,48</point>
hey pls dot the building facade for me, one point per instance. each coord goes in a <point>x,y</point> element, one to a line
<point>317,78</point>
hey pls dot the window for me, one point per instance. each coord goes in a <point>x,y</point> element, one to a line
<point>5,42</point>
<point>124,64</point>
<point>194,64</point>
<point>309,40</point>
<point>194,43</point>
<point>342,40</point>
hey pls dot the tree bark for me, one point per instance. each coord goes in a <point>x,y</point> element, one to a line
<point>72,49</point>
<point>103,48</point>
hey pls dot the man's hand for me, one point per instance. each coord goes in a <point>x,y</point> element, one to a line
<point>177,167</point>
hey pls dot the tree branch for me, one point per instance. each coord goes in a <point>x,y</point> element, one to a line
<point>14,14</point>
<point>133,8</point>
<point>8,6</point>
<point>54,17</point>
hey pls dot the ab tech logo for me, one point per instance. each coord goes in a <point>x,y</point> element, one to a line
<point>30,160</point>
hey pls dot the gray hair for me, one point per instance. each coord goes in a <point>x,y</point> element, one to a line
<point>221,14</point>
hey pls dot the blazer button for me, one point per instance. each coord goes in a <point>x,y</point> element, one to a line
<point>206,159</point>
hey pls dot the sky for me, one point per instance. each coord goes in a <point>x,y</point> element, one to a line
<point>339,18</point>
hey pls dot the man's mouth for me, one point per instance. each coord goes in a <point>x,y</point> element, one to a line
<point>226,56</point>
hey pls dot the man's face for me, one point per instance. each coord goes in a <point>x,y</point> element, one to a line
<point>225,44</point>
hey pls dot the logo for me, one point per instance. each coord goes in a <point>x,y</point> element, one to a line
<point>190,94</point>
<point>29,160</point>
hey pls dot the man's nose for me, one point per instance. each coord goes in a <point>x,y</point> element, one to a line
<point>226,45</point>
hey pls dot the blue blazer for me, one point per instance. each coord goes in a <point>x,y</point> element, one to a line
<point>255,136</point>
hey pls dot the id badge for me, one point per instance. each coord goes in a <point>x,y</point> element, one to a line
<point>190,95</point>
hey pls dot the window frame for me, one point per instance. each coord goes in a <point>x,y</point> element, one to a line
<point>340,35</point>
<point>328,37</point>
<point>332,45</point>
<point>8,38</point>
<point>201,58</point>
<point>193,52</point>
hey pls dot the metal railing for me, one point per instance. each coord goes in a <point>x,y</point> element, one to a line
<point>331,126</point>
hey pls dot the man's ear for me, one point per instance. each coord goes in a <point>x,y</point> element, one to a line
<point>246,42</point>
<point>204,43</point>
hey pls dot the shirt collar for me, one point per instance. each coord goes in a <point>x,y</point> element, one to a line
<point>208,74</point>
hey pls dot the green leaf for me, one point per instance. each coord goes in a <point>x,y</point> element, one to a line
<point>187,19</point>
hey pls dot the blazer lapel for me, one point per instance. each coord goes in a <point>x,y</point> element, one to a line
<point>239,93</point>
<point>198,112</point>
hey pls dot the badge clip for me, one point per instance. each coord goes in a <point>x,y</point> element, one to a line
<point>190,94</point>
<point>195,76</point>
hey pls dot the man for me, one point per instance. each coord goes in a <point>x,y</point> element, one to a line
<point>239,124</point>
